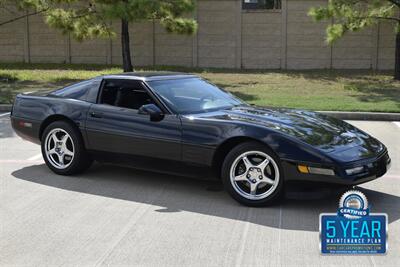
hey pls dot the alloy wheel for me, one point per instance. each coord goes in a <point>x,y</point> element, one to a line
<point>59,148</point>
<point>254,175</point>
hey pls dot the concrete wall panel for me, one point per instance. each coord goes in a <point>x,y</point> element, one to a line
<point>222,53</point>
<point>141,43</point>
<point>386,46</point>
<point>90,51</point>
<point>228,37</point>
<point>355,50</point>
<point>261,40</point>
<point>46,44</point>
<point>12,38</point>
<point>306,48</point>
<point>172,49</point>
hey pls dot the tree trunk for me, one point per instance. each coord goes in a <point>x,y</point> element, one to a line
<point>126,50</point>
<point>397,59</point>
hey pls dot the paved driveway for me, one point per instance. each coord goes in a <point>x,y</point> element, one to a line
<point>118,216</point>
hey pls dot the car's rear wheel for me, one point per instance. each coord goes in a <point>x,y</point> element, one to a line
<point>63,149</point>
<point>252,174</point>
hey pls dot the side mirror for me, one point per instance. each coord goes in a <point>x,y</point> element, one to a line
<point>152,110</point>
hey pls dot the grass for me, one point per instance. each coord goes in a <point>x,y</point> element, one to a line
<point>314,90</point>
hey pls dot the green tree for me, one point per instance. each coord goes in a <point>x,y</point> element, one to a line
<point>354,15</point>
<point>86,19</point>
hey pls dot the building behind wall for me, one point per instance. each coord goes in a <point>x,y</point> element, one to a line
<point>248,34</point>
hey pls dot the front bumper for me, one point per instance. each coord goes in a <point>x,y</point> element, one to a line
<point>372,168</point>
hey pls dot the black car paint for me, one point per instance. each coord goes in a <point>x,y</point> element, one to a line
<point>122,130</point>
<point>123,136</point>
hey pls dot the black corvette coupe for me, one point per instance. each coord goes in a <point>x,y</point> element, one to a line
<point>180,123</point>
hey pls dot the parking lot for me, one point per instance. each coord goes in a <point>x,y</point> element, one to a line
<point>119,216</point>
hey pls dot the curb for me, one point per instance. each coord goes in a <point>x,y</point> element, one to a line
<point>5,107</point>
<point>363,116</point>
<point>343,115</point>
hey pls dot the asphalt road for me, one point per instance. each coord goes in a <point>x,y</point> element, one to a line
<point>117,216</point>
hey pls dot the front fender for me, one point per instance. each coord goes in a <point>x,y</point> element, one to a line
<point>201,139</point>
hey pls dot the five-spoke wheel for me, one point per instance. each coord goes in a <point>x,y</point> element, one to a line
<point>59,148</point>
<point>252,175</point>
<point>63,148</point>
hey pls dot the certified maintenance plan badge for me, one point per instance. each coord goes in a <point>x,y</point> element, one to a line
<point>353,230</point>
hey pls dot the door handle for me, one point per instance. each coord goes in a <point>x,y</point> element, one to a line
<point>96,114</point>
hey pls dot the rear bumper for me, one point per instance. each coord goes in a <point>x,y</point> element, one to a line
<point>373,168</point>
<point>26,129</point>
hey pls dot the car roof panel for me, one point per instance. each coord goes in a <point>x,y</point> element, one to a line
<point>150,76</point>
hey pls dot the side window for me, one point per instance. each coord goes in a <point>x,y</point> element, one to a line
<point>124,93</point>
<point>75,91</point>
<point>92,93</point>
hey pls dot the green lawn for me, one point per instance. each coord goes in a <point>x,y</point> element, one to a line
<point>314,90</point>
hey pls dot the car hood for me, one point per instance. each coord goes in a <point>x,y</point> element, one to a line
<point>323,132</point>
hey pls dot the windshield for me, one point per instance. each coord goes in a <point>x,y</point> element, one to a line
<point>193,95</point>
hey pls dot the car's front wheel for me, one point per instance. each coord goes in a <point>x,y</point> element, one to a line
<point>252,174</point>
<point>63,149</point>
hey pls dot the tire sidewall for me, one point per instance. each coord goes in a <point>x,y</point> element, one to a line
<point>79,153</point>
<point>226,167</point>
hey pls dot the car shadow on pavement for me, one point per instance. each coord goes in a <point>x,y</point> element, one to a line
<point>174,194</point>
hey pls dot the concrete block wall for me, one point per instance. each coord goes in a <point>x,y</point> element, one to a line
<point>261,39</point>
<point>172,49</point>
<point>141,41</point>
<point>228,37</point>
<point>90,51</point>
<point>371,48</point>
<point>386,46</point>
<point>306,48</point>
<point>13,38</point>
<point>217,40</point>
<point>46,45</point>
<point>355,50</point>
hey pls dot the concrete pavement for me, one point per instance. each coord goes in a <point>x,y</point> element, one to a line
<point>116,216</point>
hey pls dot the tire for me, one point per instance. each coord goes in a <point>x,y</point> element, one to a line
<point>251,183</point>
<point>63,141</point>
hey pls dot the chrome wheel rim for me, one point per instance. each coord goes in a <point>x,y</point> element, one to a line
<point>254,175</point>
<point>59,148</point>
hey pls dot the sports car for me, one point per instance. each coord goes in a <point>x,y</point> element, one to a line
<point>182,124</point>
